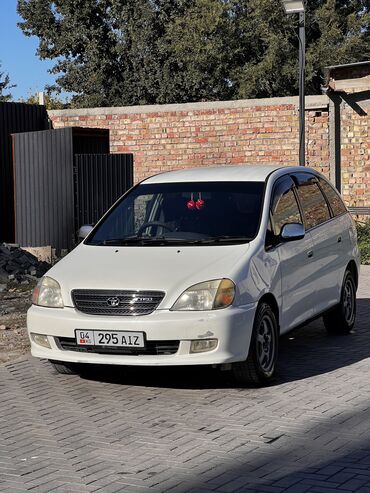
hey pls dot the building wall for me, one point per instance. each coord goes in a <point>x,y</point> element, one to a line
<point>355,151</point>
<point>167,137</point>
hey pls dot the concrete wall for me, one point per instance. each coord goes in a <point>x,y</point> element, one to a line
<point>167,137</point>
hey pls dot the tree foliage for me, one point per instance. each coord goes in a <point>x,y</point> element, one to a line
<point>119,52</point>
<point>5,85</point>
<point>363,234</point>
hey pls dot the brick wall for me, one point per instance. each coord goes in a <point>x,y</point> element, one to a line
<point>168,137</point>
<point>355,137</point>
<point>201,134</point>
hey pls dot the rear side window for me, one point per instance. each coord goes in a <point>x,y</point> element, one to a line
<point>284,207</point>
<point>314,206</point>
<point>333,197</point>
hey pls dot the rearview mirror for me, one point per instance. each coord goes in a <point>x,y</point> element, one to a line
<point>84,231</point>
<point>292,232</point>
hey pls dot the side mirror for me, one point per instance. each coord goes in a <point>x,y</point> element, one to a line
<point>84,231</point>
<point>292,232</point>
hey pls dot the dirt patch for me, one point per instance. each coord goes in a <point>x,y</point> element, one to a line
<point>14,303</point>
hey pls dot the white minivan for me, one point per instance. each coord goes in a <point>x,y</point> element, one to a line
<point>204,266</point>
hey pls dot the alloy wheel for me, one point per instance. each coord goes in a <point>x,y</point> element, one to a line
<point>348,301</point>
<point>266,344</point>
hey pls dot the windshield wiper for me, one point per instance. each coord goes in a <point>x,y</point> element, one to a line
<point>116,241</point>
<point>163,240</point>
<point>222,239</point>
<point>139,240</point>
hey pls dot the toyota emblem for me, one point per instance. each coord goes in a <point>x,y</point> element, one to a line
<point>113,301</point>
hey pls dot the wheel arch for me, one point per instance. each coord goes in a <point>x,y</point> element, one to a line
<point>352,267</point>
<point>271,300</point>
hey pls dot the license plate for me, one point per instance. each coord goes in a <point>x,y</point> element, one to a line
<point>110,338</point>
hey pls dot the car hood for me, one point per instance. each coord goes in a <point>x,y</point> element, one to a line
<point>163,268</point>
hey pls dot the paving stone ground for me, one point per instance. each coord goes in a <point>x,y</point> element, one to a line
<point>194,430</point>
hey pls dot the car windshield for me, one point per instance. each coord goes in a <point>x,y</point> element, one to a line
<point>183,214</point>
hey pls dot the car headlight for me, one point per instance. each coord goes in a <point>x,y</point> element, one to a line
<point>48,293</point>
<point>209,295</point>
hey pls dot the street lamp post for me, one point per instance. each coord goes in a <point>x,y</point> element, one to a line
<point>297,7</point>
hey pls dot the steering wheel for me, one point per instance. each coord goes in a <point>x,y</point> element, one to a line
<point>153,223</point>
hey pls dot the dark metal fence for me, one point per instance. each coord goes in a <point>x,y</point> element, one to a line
<point>100,180</point>
<point>14,118</point>
<point>58,190</point>
<point>43,163</point>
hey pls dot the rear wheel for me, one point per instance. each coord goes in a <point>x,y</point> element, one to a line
<point>259,367</point>
<point>341,319</point>
<point>64,367</point>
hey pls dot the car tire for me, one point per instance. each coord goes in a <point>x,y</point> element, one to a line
<point>259,368</point>
<point>341,319</point>
<point>65,368</point>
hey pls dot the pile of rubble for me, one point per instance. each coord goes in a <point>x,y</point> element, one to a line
<point>17,265</point>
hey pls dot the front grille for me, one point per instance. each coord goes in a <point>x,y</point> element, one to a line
<point>114,302</point>
<point>151,347</point>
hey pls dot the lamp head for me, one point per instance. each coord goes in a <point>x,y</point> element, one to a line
<point>293,6</point>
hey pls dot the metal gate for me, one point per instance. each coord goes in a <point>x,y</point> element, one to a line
<point>14,117</point>
<point>100,179</point>
<point>58,190</point>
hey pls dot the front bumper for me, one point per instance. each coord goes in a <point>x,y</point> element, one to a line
<point>231,326</point>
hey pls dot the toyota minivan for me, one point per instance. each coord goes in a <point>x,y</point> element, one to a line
<point>205,266</point>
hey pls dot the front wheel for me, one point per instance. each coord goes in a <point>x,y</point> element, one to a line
<point>341,319</point>
<point>259,368</point>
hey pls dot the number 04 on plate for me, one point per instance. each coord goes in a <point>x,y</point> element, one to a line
<point>110,338</point>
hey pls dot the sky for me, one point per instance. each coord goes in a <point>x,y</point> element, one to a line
<point>18,55</point>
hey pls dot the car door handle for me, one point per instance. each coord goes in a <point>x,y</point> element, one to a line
<point>310,254</point>
<point>339,240</point>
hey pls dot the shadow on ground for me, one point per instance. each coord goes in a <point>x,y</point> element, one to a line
<point>296,464</point>
<point>304,353</point>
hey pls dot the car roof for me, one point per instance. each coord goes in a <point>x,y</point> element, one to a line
<point>222,173</point>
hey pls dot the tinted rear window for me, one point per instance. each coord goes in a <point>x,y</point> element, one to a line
<point>333,197</point>
<point>315,208</point>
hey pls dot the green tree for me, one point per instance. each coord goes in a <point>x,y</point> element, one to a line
<point>122,52</point>
<point>5,85</point>
<point>338,34</point>
<point>200,47</point>
<point>268,60</point>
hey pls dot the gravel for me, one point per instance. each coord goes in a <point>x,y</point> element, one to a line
<point>14,303</point>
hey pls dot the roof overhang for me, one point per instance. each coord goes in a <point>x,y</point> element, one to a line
<point>348,77</point>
